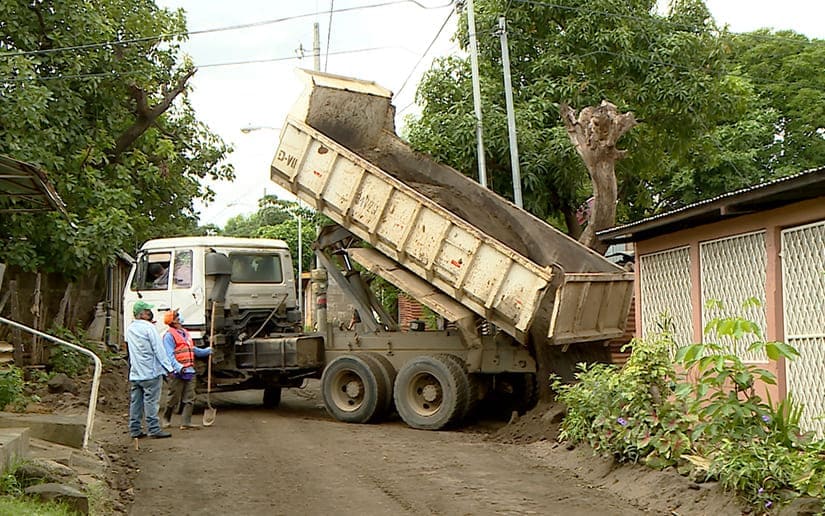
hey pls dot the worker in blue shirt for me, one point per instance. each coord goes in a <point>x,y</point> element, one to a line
<point>148,363</point>
<point>181,350</point>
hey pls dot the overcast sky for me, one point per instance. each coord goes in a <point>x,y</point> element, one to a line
<point>382,44</point>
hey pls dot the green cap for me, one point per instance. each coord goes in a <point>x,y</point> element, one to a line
<point>141,306</point>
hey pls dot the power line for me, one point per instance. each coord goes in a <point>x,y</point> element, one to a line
<point>169,35</point>
<point>429,47</point>
<point>208,65</point>
<point>329,33</point>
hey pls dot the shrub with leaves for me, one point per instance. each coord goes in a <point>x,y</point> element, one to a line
<point>63,359</point>
<point>749,444</point>
<point>11,385</point>
<point>708,413</point>
<point>628,412</point>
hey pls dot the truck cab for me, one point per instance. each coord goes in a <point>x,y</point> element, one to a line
<point>253,292</point>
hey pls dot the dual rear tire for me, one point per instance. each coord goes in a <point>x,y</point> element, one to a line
<point>432,392</point>
<point>358,388</point>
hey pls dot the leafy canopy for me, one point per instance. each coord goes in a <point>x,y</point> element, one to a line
<point>707,127</point>
<point>278,218</point>
<point>110,123</point>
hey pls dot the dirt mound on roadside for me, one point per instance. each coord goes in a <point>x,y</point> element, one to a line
<point>660,492</point>
<point>543,423</point>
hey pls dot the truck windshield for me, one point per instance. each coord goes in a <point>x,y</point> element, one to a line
<point>256,268</point>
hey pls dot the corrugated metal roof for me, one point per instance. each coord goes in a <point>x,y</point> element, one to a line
<point>25,188</point>
<point>805,185</point>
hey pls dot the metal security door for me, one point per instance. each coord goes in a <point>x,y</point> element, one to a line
<point>803,290</point>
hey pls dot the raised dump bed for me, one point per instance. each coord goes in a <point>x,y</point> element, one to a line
<point>338,152</point>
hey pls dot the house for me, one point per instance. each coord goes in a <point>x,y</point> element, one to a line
<point>767,242</point>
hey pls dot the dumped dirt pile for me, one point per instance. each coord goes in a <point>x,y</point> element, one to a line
<point>661,492</point>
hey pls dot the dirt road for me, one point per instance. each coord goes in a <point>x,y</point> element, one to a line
<point>297,460</point>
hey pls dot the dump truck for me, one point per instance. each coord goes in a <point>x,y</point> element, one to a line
<point>508,285</point>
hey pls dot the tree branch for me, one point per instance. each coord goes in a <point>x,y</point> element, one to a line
<point>146,114</point>
<point>47,42</point>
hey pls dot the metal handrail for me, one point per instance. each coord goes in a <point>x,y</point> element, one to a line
<point>90,413</point>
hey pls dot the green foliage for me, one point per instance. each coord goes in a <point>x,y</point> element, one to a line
<point>627,412</point>
<point>9,485</point>
<point>708,414</point>
<point>277,218</point>
<point>11,386</point>
<point>63,359</point>
<point>789,83</point>
<point>720,388</point>
<point>709,117</point>
<point>31,507</point>
<point>128,164</point>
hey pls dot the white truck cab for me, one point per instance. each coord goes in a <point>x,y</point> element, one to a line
<point>170,274</point>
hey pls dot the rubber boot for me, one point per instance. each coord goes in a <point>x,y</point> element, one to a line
<point>186,418</point>
<point>166,420</point>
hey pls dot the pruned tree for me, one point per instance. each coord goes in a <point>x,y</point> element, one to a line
<point>595,134</point>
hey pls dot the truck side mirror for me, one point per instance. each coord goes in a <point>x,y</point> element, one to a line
<point>217,264</point>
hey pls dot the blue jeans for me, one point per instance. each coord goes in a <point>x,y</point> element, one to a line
<point>145,398</point>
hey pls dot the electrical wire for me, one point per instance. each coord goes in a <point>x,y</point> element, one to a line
<point>329,33</point>
<point>170,35</point>
<point>429,47</point>
<point>208,65</point>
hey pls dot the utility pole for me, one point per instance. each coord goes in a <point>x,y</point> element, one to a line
<point>316,47</point>
<point>511,115</point>
<point>471,29</point>
<point>316,52</point>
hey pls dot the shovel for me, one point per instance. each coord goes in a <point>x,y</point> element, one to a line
<point>209,412</point>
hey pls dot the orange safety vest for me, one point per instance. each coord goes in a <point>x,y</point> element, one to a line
<point>184,353</point>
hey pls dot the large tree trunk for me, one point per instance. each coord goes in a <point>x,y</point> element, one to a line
<point>594,134</point>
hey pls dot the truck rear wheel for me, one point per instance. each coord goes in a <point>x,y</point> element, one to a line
<point>430,392</point>
<point>272,397</point>
<point>472,386</point>
<point>353,389</point>
<point>387,376</point>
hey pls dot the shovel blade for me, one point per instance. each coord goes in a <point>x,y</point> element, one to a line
<point>209,414</point>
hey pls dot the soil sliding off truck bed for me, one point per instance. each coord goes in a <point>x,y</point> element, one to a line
<point>339,153</point>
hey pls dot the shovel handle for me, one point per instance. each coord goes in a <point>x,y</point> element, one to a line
<point>212,345</point>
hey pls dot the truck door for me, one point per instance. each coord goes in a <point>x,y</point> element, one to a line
<point>150,283</point>
<point>187,293</point>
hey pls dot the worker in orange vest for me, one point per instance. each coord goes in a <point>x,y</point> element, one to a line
<point>182,353</point>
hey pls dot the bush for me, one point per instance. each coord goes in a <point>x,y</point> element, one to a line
<point>11,386</point>
<point>63,359</point>
<point>708,415</point>
<point>628,412</point>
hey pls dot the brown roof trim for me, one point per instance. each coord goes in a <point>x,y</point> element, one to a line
<point>779,192</point>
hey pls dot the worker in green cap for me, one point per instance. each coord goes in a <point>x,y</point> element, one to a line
<point>148,363</point>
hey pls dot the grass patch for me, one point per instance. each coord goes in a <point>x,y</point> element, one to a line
<point>10,505</point>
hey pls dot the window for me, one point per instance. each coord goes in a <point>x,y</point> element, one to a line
<point>152,271</point>
<point>256,268</point>
<point>183,269</point>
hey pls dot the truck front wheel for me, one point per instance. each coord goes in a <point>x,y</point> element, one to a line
<point>353,389</point>
<point>431,392</point>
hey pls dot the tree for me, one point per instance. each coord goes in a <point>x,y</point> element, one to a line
<point>277,218</point>
<point>672,71</point>
<point>786,68</point>
<point>95,93</point>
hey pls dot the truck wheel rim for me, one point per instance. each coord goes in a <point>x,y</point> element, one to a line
<point>347,391</point>
<point>424,394</point>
